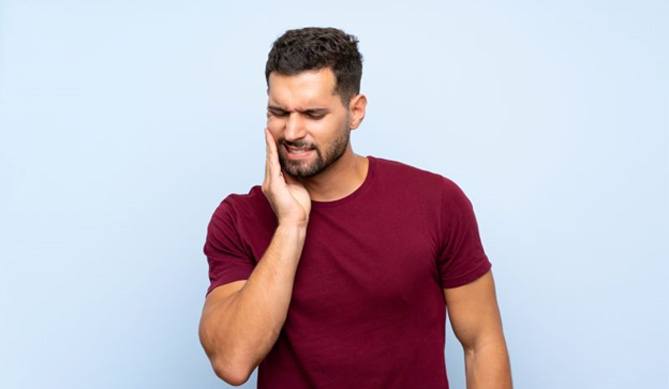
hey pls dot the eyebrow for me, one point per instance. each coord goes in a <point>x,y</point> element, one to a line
<point>308,111</point>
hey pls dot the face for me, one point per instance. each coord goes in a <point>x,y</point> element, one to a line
<point>308,121</point>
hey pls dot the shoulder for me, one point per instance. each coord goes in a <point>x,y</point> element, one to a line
<point>244,205</point>
<point>434,188</point>
<point>402,173</point>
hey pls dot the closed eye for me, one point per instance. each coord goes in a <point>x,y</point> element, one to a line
<point>313,114</point>
<point>277,113</point>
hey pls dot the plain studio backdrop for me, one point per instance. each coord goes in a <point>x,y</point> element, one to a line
<point>123,124</point>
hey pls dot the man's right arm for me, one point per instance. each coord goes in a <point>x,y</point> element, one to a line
<point>242,320</point>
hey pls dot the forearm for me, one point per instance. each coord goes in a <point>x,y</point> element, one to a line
<point>249,322</point>
<point>487,366</point>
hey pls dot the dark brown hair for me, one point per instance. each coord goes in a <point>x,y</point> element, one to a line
<point>314,48</point>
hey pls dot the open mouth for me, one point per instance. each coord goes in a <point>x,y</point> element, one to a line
<point>298,151</point>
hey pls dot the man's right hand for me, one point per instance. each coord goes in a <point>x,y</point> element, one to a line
<point>288,197</point>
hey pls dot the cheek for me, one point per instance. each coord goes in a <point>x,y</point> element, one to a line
<point>275,124</point>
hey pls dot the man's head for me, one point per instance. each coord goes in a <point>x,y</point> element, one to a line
<point>313,83</point>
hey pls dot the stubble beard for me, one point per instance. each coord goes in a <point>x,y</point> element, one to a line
<point>311,167</point>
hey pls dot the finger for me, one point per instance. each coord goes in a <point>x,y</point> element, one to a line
<point>267,156</point>
<point>275,166</point>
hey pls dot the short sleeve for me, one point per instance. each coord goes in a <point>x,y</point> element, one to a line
<point>226,255</point>
<point>462,258</point>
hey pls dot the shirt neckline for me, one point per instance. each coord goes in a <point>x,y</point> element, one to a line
<point>371,167</point>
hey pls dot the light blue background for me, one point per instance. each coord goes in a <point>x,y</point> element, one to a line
<point>123,125</point>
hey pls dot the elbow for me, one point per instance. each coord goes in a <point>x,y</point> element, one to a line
<point>227,368</point>
<point>233,374</point>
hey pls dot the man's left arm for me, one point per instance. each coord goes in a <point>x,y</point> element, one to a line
<point>477,324</point>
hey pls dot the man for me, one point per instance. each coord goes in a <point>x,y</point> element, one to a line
<point>339,270</point>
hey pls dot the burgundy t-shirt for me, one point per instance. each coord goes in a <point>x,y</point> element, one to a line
<point>367,309</point>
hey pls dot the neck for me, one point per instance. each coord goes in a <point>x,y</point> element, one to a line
<point>340,179</point>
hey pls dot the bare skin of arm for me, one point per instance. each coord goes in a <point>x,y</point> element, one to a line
<point>242,320</point>
<point>476,322</point>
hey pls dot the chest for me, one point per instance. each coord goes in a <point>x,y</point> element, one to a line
<point>361,267</point>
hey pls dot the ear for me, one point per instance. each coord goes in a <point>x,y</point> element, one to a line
<point>357,107</point>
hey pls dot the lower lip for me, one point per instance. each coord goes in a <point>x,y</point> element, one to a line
<point>299,155</point>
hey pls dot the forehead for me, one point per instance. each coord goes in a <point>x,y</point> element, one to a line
<point>303,90</point>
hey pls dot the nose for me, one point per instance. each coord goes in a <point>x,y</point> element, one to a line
<point>294,127</point>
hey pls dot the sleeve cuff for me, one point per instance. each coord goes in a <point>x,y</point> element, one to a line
<point>473,275</point>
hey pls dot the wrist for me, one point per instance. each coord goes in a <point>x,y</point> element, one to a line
<point>293,225</point>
